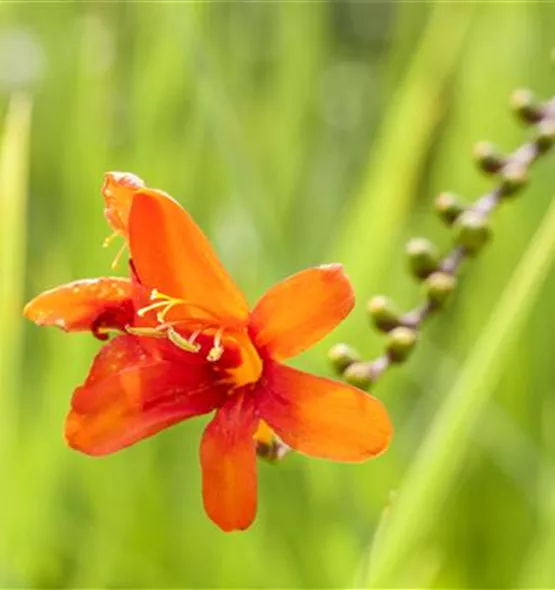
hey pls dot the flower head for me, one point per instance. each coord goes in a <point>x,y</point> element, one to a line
<point>189,345</point>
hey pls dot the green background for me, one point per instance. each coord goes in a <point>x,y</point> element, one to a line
<point>296,134</point>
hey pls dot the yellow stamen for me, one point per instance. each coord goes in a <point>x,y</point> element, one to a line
<point>215,354</point>
<point>144,310</point>
<point>119,256</point>
<point>181,342</point>
<point>107,241</point>
<point>152,332</point>
<point>161,316</point>
<point>164,304</point>
<point>217,350</point>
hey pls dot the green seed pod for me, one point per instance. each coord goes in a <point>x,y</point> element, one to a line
<point>439,285</point>
<point>359,375</point>
<point>525,105</point>
<point>514,177</point>
<point>448,206</point>
<point>488,157</point>
<point>546,134</point>
<point>423,257</point>
<point>400,343</point>
<point>342,355</point>
<point>383,313</point>
<point>472,231</point>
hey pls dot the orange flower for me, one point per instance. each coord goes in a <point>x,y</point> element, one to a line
<point>189,345</point>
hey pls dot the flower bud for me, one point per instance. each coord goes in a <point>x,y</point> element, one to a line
<point>423,257</point>
<point>358,374</point>
<point>525,105</point>
<point>472,231</point>
<point>342,355</point>
<point>448,206</point>
<point>488,157</point>
<point>400,343</point>
<point>439,285</point>
<point>546,134</point>
<point>271,451</point>
<point>383,313</point>
<point>514,176</point>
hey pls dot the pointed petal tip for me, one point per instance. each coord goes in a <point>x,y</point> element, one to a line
<point>116,181</point>
<point>235,527</point>
<point>118,190</point>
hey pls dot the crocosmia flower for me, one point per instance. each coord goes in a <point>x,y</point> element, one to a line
<point>186,344</point>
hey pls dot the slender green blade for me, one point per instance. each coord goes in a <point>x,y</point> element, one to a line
<point>442,452</point>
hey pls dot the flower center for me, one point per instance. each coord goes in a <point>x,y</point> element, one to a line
<point>201,320</point>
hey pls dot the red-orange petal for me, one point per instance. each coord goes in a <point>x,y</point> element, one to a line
<point>298,312</point>
<point>171,254</point>
<point>118,190</point>
<point>129,396</point>
<point>321,417</point>
<point>228,459</point>
<point>88,304</point>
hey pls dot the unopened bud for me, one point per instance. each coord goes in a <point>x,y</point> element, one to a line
<point>439,285</point>
<point>271,451</point>
<point>546,134</point>
<point>448,206</point>
<point>472,231</point>
<point>423,257</point>
<point>514,176</point>
<point>488,157</point>
<point>342,355</point>
<point>525,105</point>
<point>400,343</point>
<point>383,313</point>
<point>358,374</point>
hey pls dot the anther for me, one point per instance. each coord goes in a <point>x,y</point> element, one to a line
<point>108,240</point>
<point>118,257</point>
<point>215,353</point>
<point>181,342</point>
<point>152,332</point>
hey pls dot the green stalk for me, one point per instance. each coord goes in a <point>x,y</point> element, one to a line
<point>442,452</point>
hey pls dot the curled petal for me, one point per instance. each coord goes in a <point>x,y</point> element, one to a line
<point>118,191</point>
<point>171,254</point>
<point>129,396</point>
<point>296,313</point>
<point>321,417</point>
<point>228,460</point>
<point>88,304</point>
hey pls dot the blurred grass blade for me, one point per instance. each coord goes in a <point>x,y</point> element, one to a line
<point>13,197</point>
<point>539,567</point>
<point>400,151</point>
<point>440,455</point>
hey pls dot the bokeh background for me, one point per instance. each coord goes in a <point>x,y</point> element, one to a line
<point>296,134</point>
